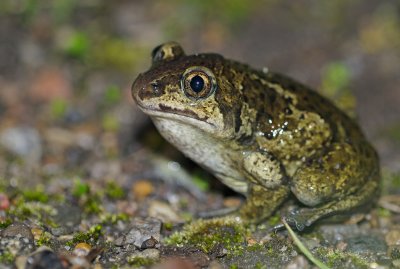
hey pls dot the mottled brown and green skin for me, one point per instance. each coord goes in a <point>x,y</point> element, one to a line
<point>263,134</point>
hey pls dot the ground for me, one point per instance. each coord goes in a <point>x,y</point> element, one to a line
<point>86,180</point>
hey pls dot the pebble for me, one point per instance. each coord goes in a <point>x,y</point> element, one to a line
<point>141,189</point>
<point>163,211</point>
<point>142,230</point>
<point>23,141</point>
<point>18,230</point>
<point>82,249</point>
<point>36,232</point>
<point>149,243</point>
<point>299,262</point>
<point>43,258</point>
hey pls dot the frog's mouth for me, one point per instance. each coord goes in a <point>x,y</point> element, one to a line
<point>185,116</point>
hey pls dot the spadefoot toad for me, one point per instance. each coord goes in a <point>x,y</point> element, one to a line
<point>261,133</point>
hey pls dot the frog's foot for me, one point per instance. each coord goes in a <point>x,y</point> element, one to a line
<point>300,218</point>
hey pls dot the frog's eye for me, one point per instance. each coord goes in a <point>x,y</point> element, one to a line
<point>198,82</point>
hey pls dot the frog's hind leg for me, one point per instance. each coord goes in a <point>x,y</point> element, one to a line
<point>305,217</point>
<point>336,183</point>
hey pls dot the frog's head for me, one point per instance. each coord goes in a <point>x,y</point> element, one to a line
<point>190,89</point>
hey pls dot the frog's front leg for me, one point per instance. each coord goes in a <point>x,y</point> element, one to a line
<point>261,202</point>
<point>267,189</point>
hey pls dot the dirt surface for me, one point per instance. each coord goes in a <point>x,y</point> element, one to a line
<point>87,182</point>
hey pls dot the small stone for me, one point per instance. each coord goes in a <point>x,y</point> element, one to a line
<point>59,231</point>
<point>141,189</point>
<point>82,249</point>
<point>18,230</point>
<point>149,243</point>
<point>163,211</point>
<point>37,232</point>
<point>44,258</point>
<point>218,251</point>
<point>119,242</point>
<point>299,262</point>
<point>143,230</point>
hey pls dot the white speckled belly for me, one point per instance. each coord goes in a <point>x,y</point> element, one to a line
<point>204,150</point>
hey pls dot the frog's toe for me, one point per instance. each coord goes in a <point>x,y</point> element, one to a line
<point>299,218</point>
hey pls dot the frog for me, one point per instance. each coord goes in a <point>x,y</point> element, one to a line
<point>261,133</point>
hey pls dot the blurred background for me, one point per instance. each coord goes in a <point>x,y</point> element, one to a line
<point>66,66</point>
<point>75,149</point>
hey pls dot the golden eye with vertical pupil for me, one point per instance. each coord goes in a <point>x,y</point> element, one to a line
<point>198,82</point>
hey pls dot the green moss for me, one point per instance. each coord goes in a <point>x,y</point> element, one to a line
<point>58,108</point>
<point>40,211</point>
<point>201,183</point>
<point>338,259</point>
<point>168,226</point>
<point>393,132</point>
<point>336,85</point>
<point>110,123</point>
<point>390,183</point>
<point>91,202</point>
<point>112,95</point>
<point>114,191</point>
<point>80,188</point>
<point>77,45</point>
<point>116,54</point>
<point>383,212</point>
<point>90,237</point>
<point>140,261</point>
<point>206,234</point>
<point>274,220</point>
<point>92,205</point>
<point>259,265</point>
<point>37,194</point>
<point>6,257</point>
<point>4,223</point>
<point>44,239</point>
<point>114,218</point>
